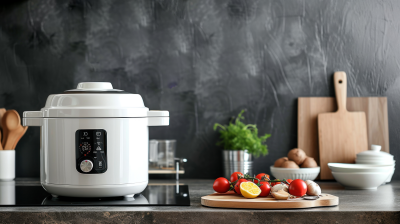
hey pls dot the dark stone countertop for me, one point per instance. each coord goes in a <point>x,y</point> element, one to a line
<point>355,206</point>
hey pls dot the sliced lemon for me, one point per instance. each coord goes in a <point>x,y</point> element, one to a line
<point>249,190</point>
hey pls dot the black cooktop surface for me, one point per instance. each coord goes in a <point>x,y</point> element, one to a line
<point>153,195</point>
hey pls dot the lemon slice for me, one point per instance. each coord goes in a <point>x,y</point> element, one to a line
<point>249,190</point>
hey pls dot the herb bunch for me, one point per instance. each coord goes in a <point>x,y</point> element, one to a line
<point>239,136</point>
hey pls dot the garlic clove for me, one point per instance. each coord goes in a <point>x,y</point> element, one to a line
<point>281,195</point>
<point>313,189</point>
<point>278,187</point>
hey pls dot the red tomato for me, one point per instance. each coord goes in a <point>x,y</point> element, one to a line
<point>289,181</point>
<point>265,189</point>
<point>237,186</point>
<point>221,185</point>
<point>298,188</point>
<point>234,176</point>
<point>275,183</point>
<point>260,176</point>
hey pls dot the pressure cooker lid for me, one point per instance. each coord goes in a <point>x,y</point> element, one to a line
<point>95,99</point>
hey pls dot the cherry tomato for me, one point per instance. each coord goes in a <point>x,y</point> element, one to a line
<point>221,185</point>
<point>289,181</point>
<point>260,176</point>
<point>234,176</point>
<point>237,185</point>
<point>265,189</point>
<point>275,183</point>
<point>298,188</point>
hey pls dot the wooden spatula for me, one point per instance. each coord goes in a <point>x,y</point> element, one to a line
<point>12,126</point>
<point>342,134</point>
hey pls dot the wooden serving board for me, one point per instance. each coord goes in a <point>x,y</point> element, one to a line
<point>232,200</point>
<point>341,134</point>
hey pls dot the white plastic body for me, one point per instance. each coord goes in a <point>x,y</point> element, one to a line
<point>125,119</point>
<point>7,164</point>
<point>127,157</point>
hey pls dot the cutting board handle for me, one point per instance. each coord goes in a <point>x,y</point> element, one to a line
<point>340,80</point>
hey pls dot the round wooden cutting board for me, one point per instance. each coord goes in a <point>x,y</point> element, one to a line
<point>232,200</point>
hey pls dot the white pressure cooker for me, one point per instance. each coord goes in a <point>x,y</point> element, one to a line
<point>94,141</point>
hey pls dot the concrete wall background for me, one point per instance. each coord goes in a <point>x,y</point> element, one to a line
<point>203,60</point>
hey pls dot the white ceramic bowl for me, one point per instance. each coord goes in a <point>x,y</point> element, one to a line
<point>361,180</point>
<point>377,162</point>
<point>349,167</point>
<point>301,173</point>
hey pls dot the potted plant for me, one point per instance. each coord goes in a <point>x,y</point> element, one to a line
<point>240,142</point>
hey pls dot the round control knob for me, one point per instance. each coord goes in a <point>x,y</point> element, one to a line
<point>86,166</point>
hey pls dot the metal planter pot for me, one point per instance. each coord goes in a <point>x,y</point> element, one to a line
<point>237,161</point>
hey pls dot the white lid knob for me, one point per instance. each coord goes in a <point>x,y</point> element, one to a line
<point>376,148</point>
<point>94,86</point>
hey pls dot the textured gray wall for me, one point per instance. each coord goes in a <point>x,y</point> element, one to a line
<point>203,60</point>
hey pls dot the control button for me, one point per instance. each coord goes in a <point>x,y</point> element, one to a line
<point>98,133</point>
<point>98,148</point>
<point>86,166</point>
<point>85,134</point>
<point>99,164</point>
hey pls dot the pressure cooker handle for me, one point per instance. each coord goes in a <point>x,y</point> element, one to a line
<point>158,118</point>
<point>32,118</point>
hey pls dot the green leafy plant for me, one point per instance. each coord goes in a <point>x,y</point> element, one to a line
<point>239,136</point>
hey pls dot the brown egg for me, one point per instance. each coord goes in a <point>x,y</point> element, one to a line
<point>309,162</point>
<point>290,164</point>
<point>297,155</point>
<point>280,161</point>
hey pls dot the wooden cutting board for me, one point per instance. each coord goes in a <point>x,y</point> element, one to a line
<point>375,109</point>
<point>342,134</point>
<point>232,200</point>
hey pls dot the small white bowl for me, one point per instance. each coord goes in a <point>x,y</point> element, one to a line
<point>377,162</point>
<point>361,180</point>
<point>350,167</point>
<point>301,173</point>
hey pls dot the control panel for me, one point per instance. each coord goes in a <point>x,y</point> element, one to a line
<point>91,151</point>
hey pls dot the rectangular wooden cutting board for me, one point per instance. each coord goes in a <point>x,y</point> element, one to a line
<point>232,200</point>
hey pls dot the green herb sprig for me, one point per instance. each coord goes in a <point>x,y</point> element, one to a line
<point>239,136</point>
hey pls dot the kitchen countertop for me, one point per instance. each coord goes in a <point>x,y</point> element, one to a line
<point>380,206</point>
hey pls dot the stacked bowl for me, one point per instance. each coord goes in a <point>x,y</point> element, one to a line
<point>373,168</point>
<point>376,157</point>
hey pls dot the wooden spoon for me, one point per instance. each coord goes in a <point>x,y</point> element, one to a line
<point>20,136</point>
<point>1,147</point>
<point>2,112</point>
<point>12,125</point>
<point>5,131</point>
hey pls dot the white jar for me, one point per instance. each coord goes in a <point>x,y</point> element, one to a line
<point>94,141</point>
<point>375,156</point>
